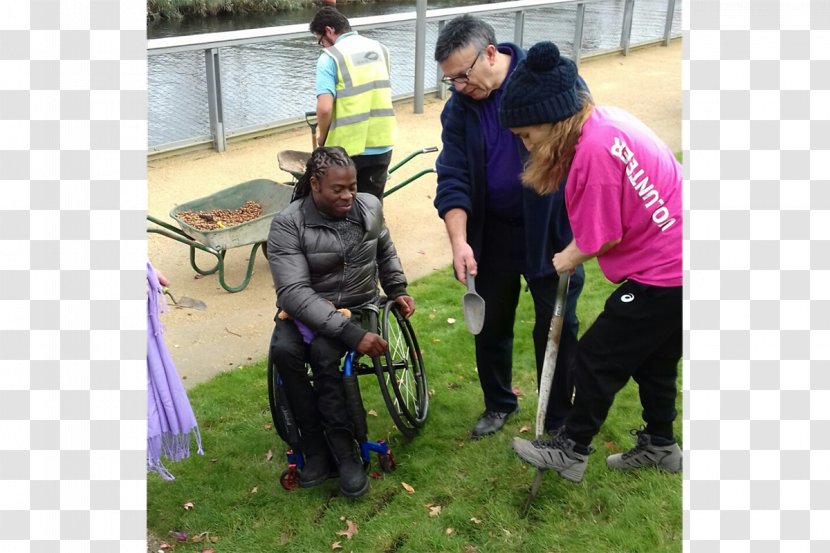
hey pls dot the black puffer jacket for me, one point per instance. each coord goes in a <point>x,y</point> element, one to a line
<point>313,276</point>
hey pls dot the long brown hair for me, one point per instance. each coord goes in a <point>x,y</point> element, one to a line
<point>550,160</point>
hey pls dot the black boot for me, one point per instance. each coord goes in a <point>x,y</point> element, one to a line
<point>353,479</point>
<point>318,463</point>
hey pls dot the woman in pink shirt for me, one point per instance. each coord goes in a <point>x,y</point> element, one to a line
<point>623,197</point>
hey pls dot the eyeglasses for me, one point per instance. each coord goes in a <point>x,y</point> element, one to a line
<point>320,40</point>
<point>462,79</point>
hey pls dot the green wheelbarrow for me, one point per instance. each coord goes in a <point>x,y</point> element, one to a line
<point>271,195</point>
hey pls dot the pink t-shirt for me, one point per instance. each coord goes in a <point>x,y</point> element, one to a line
<point>625,184</point>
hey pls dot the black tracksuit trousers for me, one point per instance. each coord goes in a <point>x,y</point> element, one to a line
<point>638,335</point>
<point>322,407</point>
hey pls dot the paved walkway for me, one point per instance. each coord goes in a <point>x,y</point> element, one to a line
<point>235,328</point>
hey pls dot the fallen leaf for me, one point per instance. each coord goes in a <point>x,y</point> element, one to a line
<point>407,487</point>
<point>470,549</point>
<point>611,446</point>
<point>434,510</point>
<point>197,276</point>
<point>269,455</point>
<point>253,490</point>
<point>375,474</point>
<point>475,520</point>
<point>449,531</point>
<point>267,426</point>
<point>187,506</point>
<point>198,538</point>
<point>164,546</point>
<point>283,538</point>
<point>436,340</point>
<point>336,545</point>
<point>432,316</point>
<point>450,321</point>
<point>372,413</point>
<point>351,530</point>
<point>211,550</point>
<point>506,531</point>
<point>180,536</point>
<point>523,429</point>
<point>517,391</point>
<point>214,460</point>
<point>342,518</point>
<point>213,539</point>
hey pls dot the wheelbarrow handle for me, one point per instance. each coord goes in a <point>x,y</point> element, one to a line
<point>311,121</point>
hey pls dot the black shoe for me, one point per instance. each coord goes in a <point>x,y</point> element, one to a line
<point>353,479</point>
<point>491,422</point>
<point>319,464</point>
<point>317,469</point>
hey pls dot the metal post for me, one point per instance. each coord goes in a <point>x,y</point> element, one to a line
<point>628,17</point>
<point>442,88</point>
<point>420,51</point>
<point>669,18</point>
<point>519,28</point>
<point>578,26</point>
<point>214,92</point>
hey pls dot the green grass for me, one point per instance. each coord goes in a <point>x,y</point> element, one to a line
<point>483,480</point>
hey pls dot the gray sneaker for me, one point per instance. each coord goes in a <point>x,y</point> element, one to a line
<point>555,454</point>
<point>646,454</point>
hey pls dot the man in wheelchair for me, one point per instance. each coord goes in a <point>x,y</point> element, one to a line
<point>326,251</point>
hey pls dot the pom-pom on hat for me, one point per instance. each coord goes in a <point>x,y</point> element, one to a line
<point>541,89</point>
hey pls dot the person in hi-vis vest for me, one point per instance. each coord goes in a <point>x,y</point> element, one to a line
<point>354,98</point>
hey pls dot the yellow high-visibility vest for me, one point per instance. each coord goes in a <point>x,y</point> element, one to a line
<point>363,116</point>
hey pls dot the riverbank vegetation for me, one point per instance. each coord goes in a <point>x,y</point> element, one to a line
<point>186,9</point>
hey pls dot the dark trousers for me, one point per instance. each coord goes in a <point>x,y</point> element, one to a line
<point>638,335</point>
<point>372,172</point>
<point>322,407</point>
<point>499,283</point>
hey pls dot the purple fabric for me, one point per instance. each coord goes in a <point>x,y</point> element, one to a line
<point>504,160</point>
<point>170,418</point>
<point>307,334</point>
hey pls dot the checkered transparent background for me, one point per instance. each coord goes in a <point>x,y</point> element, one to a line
<point>757,255</point>
<point>757,376</point>
<point>72,276</point>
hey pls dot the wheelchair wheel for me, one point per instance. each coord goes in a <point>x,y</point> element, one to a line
<point>402,377</point>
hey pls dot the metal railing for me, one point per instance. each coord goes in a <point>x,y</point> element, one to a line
<point>213,126</point>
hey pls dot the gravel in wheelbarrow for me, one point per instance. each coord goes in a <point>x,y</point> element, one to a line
<point>221,218</point>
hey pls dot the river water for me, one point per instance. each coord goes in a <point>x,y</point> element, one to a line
<point>268,83</point>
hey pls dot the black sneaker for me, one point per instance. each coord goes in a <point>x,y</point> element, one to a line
<point>646,454</point>
<point>491,422</point>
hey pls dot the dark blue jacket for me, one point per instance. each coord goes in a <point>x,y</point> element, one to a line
<point>462,183</point>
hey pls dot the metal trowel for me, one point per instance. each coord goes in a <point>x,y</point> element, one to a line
<point>184,301</point>
<point>473,305</point>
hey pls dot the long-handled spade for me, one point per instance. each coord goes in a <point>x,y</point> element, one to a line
<point>548,369</point>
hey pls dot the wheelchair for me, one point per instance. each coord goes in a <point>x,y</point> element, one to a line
<point>403,386</point>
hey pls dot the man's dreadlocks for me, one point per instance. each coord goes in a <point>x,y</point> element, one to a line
<point>317,165</point>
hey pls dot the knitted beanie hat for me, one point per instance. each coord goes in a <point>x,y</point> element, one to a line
<point>542,89</point>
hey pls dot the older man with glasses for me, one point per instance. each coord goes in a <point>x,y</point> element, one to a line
<point>499,230</point>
